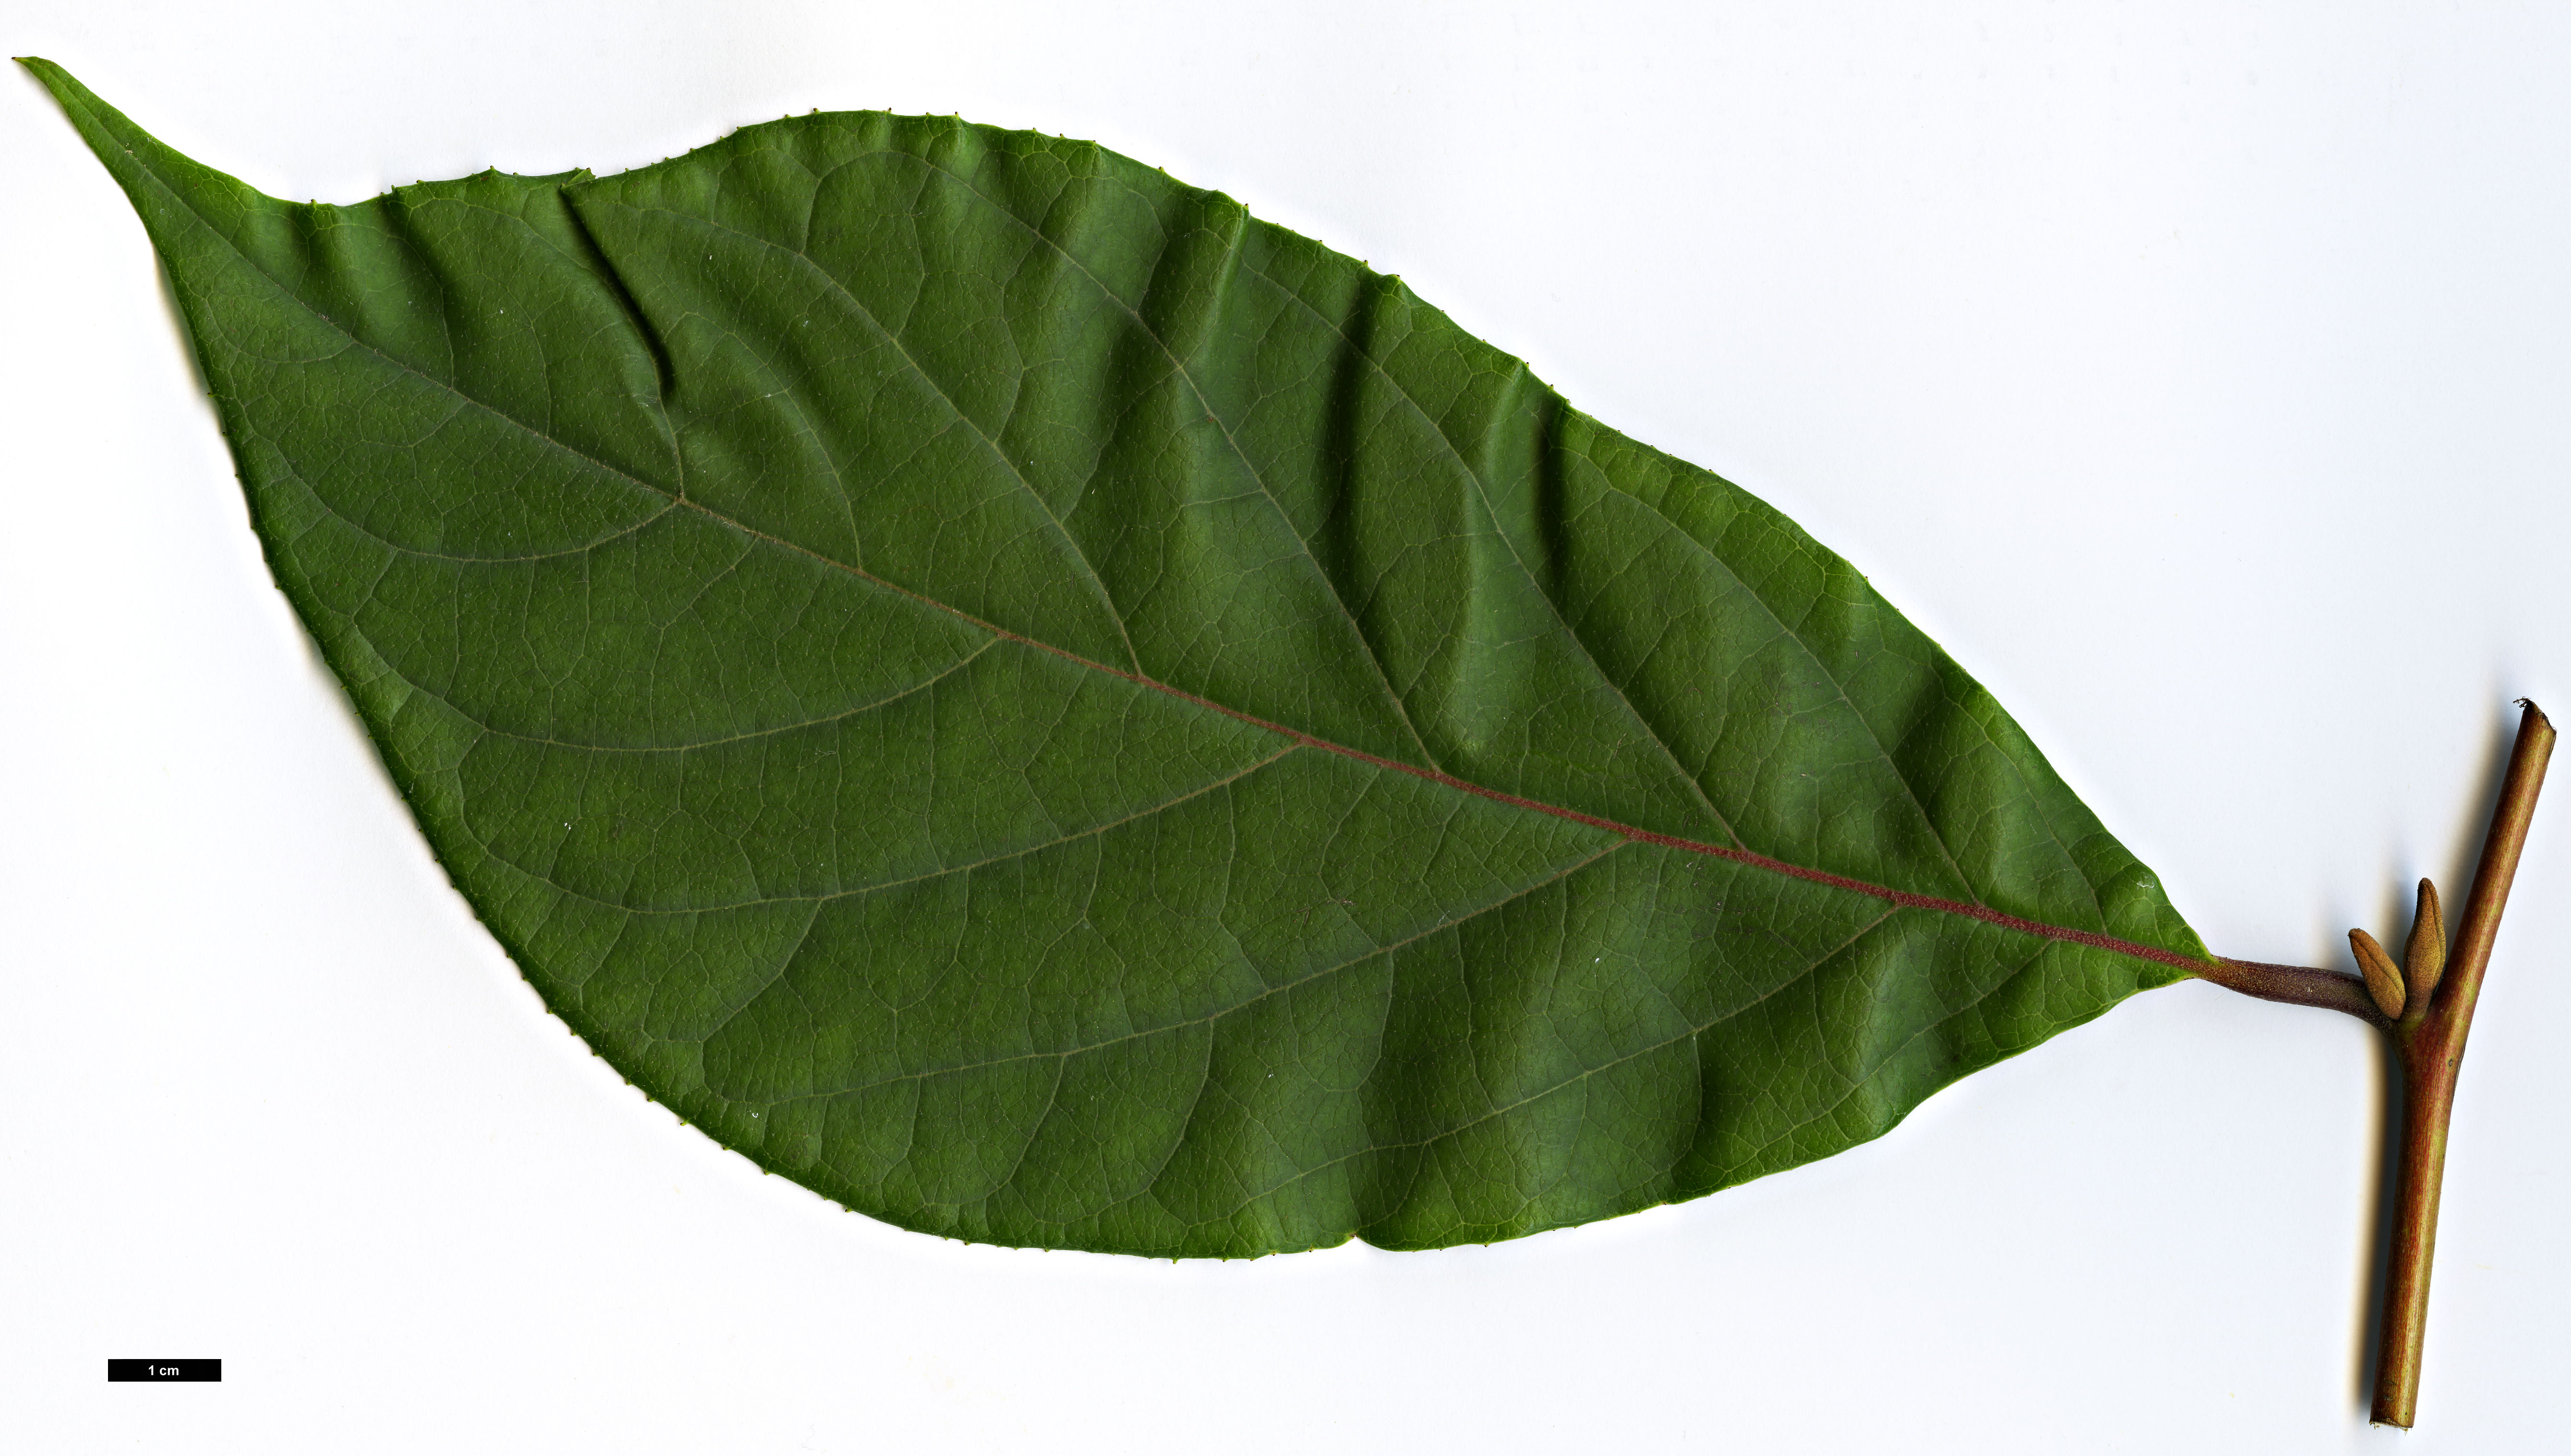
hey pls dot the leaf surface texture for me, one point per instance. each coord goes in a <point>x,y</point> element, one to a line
<point>1054,713</point>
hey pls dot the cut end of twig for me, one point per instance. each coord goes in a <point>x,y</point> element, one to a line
<point>2383,978</point>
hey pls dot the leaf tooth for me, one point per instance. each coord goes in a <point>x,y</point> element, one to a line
<point>2424,959</point>
<point>2383,978</point>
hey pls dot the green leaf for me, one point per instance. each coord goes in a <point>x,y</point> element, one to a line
<point>1054,713</point>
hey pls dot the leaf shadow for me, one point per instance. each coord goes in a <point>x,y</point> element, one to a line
<point>186,335</point>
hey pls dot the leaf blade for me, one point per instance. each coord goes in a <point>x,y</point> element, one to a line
<point>742,635</point>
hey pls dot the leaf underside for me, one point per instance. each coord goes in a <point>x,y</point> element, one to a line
<point>1054,713</point>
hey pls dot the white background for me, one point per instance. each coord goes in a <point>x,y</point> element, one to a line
<point>2197,373</point>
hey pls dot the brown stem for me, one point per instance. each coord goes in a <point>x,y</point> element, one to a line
<point>2297,986</point>
<point>2431,1040</point>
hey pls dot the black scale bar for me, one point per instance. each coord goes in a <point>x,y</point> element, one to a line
<point>164,1369</point>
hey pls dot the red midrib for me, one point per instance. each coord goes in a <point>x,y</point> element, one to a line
<point>1904,898</point>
